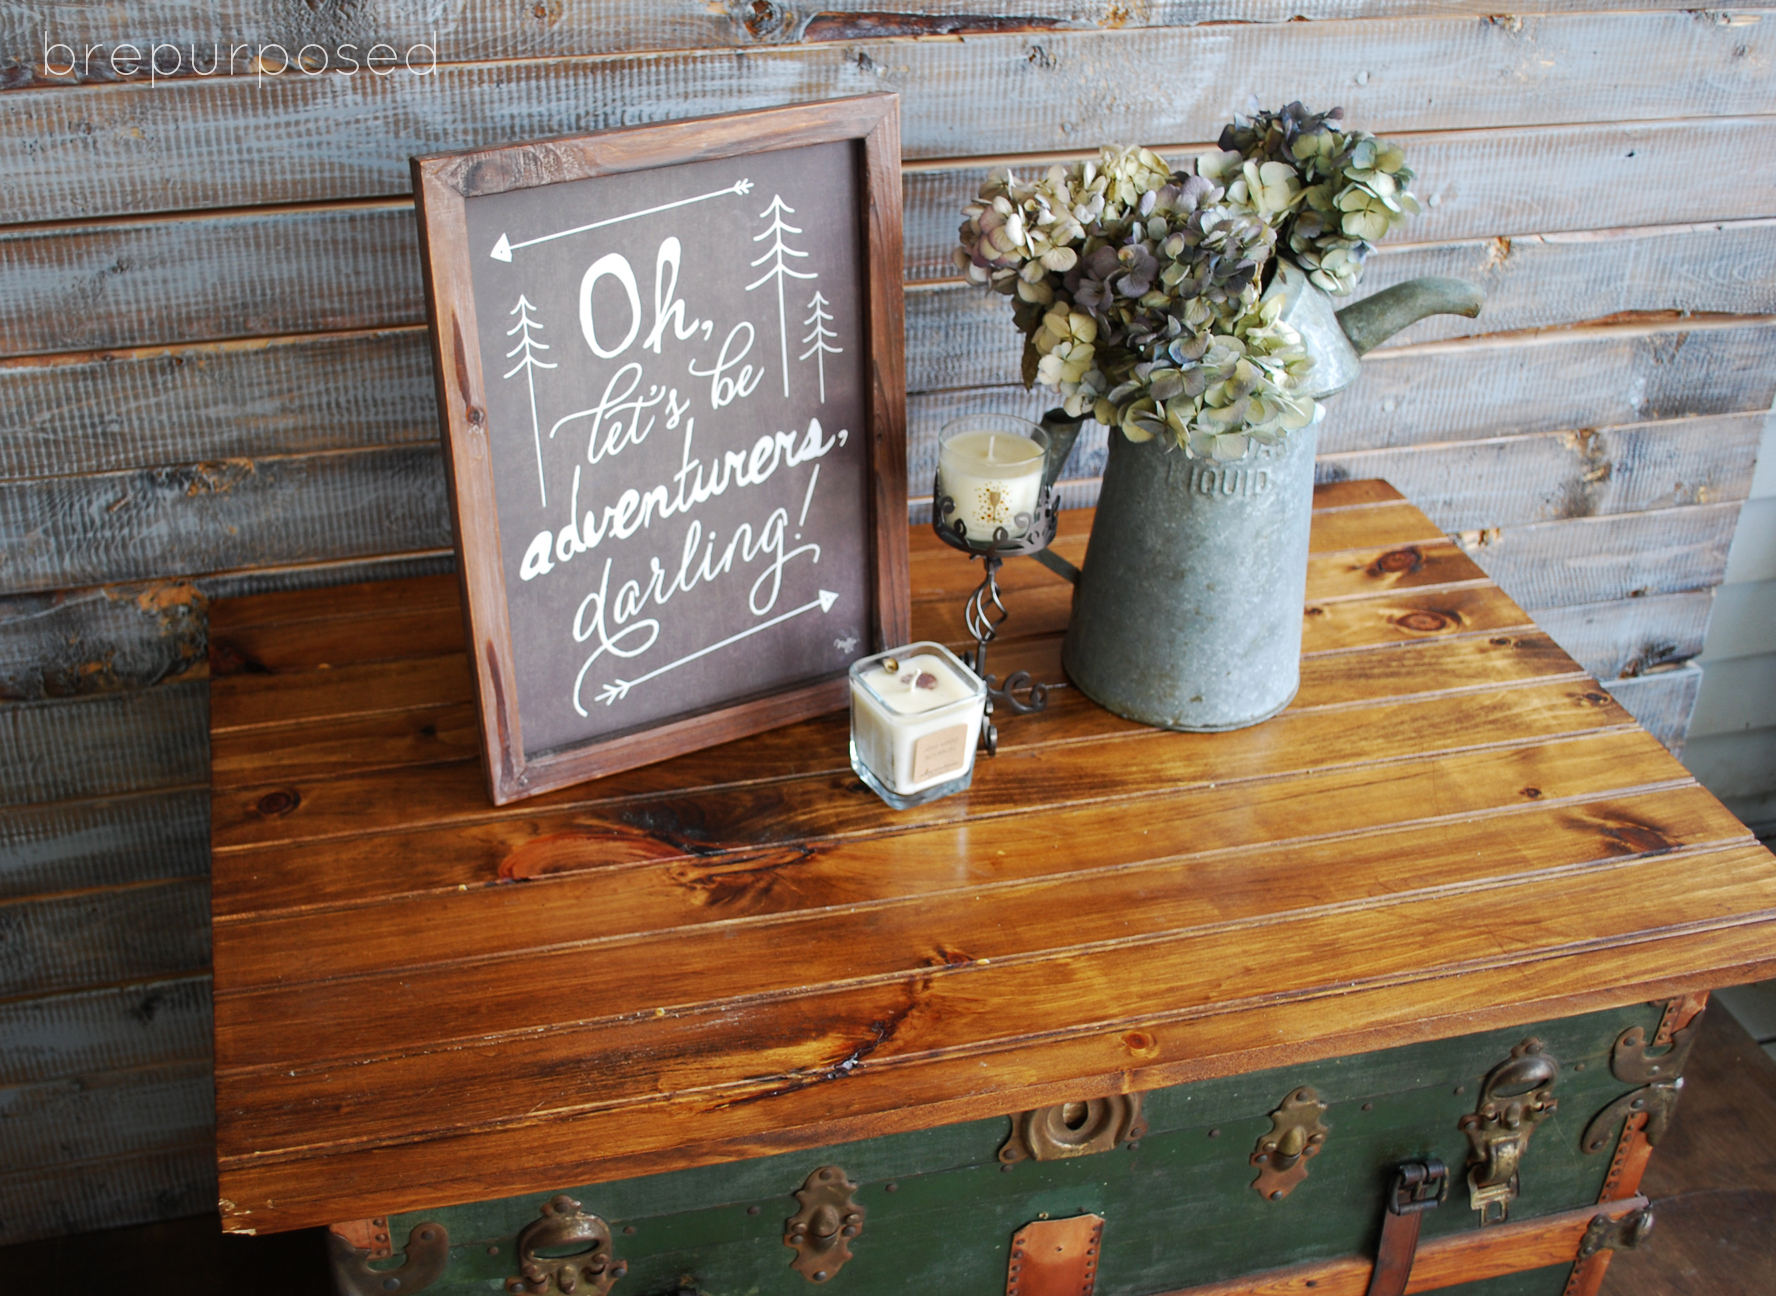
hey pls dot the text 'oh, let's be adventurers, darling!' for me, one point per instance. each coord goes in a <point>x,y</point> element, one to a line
<point>164,60</point>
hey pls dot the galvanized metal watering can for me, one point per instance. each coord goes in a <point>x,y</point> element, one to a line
<point>1187,614</point>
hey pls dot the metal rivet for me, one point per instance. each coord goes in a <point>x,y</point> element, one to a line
<point>1214,1133</point>
<point>391,1284</point>
<point>1368,1106</point>
<point>492,1250</point>
<point>1277,1195</point>
<point>1005,1169</point>
<point>893,1187</point>
<point>752,1210</point>
<point>820,1275</point>
<point>628,1230</point>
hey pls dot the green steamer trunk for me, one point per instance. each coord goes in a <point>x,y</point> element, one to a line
<point>936,1211</point>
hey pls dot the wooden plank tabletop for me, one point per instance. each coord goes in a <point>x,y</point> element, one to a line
<point>422,1000</point>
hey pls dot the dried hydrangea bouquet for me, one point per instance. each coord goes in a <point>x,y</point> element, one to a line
<point>1190,310</point>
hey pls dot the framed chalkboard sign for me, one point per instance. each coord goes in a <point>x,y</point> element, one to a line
<point>671,377</point>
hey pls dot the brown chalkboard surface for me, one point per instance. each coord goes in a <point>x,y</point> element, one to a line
<point>670,374</point>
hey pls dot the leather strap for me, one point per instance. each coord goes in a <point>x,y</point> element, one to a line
<point>1419,1186</point>
<point>1056,1257</point>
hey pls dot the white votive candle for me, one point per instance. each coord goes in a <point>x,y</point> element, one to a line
<point>915,718</point>
<point>990,469</point>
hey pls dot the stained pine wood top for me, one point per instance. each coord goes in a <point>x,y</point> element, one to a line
<point>422,999</point>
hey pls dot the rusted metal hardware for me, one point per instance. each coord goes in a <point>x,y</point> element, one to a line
<point>1419,1186</point>
<point>1660,1076</point>
<point>1296,1136</point>
<point>1606,1234</point>
<point>823,1230</point>
<point>1055,1257</point>
<point>1516,1096</point>
<point>592,1270</point>
<point>1073,1129</point>
<point>427,1252</point>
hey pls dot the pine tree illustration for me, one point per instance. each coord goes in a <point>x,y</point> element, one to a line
<point>817,338</point>
<point>779,269</point>
<point>529,346</point>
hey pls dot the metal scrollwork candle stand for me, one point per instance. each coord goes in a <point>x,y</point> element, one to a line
<point>986,610</point>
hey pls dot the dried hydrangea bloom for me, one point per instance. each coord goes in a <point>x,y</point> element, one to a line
<point>1137,287</point>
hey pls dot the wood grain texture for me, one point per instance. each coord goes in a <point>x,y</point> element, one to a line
<point>144,409</point>
<point>914,959</point>
<point>101,746</point>
<point>114,1191</point>
<point>1510,481</point>
<point>229,275</point>
<point>107,1115</point>
<point>151,1024</point>
<point>78,153</point>
<point>1662,702</point>
<point>77,845</point>
<point>255,273</point>
<point>137,932</point>
<point>136,634</point>
<point>1628,637</point>
<point>493,32</point>
<point>221,515</point>
<point>1599,559</point>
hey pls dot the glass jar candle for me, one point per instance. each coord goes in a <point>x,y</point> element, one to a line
<point>915,719</point>
<point>990,469</point>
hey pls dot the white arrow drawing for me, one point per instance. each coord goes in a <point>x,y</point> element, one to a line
<point>620,688</point>
<point>529,346</point>
<point>502,250</point>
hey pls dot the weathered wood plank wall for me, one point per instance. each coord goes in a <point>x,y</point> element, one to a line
<point>213,376</point>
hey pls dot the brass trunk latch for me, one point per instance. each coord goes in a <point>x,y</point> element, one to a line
<point>821,1232</point>
<point>1073,1129</point>
<point>1296,1136</point>
<point>428,1251</point>
<point>590,1270</point>
<point>1516,1096</point>
<point>1660,1077</point>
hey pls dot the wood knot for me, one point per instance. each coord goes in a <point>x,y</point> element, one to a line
<point>275,805</point>
<point>1425,621</point>
<point>1398,562</point>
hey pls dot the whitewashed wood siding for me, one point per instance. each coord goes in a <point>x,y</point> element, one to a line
<point>213,381</point>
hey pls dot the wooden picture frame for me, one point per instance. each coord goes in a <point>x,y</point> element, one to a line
<point>444,188</point>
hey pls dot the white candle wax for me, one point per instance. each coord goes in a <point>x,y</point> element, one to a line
<point>915,726</point>
<point>993,479</point>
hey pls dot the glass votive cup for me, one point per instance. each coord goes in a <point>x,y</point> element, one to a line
<point>990,469</point>
<point>915,721</point>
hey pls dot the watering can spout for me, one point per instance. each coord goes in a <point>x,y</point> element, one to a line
<point>1378,317</point>
<point>1336,339</point>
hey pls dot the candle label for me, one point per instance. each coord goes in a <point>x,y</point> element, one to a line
<point>943,751</point>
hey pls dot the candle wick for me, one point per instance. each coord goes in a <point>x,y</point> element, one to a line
<point>990,440</point>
